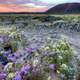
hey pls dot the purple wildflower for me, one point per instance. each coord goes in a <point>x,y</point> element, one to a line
<point>17,76</point>
<point>25,69</point>
<point>5,53</point>
<point>16,54</point>
<point>29,50</point>
<point>51,66</point>
<point>2,76</point>
<point>11,58</point>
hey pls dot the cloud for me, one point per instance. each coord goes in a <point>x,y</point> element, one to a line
<point>5,9</point>
<point>23,5</point>
<point>33,5</point>
<point>28,5</point>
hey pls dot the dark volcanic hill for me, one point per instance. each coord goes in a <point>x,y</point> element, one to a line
<point>65,8</point>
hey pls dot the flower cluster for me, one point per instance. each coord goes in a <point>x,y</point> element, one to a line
<point>18,62</point>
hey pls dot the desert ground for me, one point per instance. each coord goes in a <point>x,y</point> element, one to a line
<point>33,32</point>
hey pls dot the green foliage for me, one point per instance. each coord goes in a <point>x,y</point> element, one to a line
<point>14,45</point>
<point>38,76</point>
<point>68,73</point>
<point>49,18</point>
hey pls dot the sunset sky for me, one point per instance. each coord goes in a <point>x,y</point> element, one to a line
<point>29,5</point>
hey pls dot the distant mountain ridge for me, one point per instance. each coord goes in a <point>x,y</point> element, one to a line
<point>65,8</point>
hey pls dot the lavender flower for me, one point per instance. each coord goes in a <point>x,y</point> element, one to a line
<point>16,54</point>
<point>5,53</point>
<point>25,69</point>
<point>51,66</point>
<point>17,76</point>
<point>2,76</point>
<point>11,58</point>
<point>29,50</point>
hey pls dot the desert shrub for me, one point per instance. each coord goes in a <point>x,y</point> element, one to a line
<point>61,54</point>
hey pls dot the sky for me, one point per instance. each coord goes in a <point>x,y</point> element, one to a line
<point>30,5</point>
